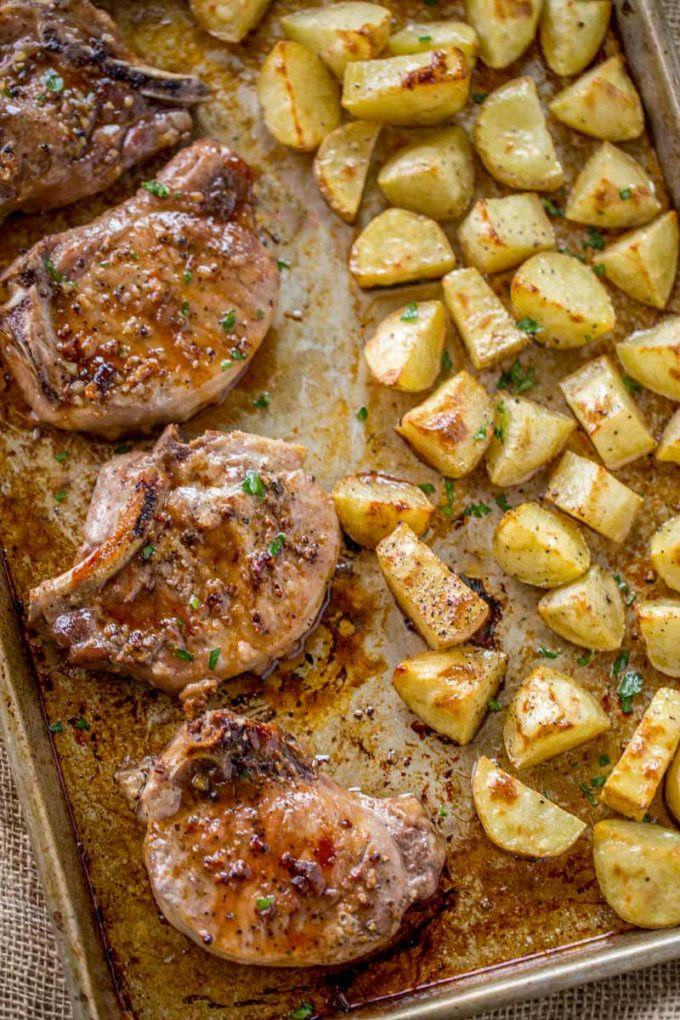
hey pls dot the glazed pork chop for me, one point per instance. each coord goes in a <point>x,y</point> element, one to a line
<point>201,560</point>
<point>149,313</point>
<point>75,108</point>
<point>261,859</point>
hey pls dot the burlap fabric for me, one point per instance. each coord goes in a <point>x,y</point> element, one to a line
<point>31,981</point>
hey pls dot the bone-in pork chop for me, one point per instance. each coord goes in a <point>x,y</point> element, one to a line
<point>149,313</point>
<point>201,559</point>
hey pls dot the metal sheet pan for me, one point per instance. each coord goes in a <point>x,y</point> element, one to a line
<point>500,929</point>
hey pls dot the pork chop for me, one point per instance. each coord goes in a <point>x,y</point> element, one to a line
<point>76,110</point>
<point>200,559</point>
<point>149,313</point>
<point>261,859</point>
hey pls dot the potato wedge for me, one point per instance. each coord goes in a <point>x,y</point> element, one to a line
<point>608,414</point>
<point>571,33</point>
<point>505,30</point>
<point>652,357</point>
<point>486,328</point>
<point>451,429</point>
<point>444,610</point>
<point>540,547</point>
<point>603,103</point>
<point>636,777</point>
<point>612,191</point>
<point>435,176</point>
<point>421,88</point>
<point>229,20</point>
<point>406,349</point>
<point>643,262</point>
<point>665,552</point>
<point>299,98</point>
<point>513,141</point>
<point>588,612</point>
<point>659,623</point>
<point>341,166</point>
<point>562,301</point>
<point>370,505</point>
<point>519,819</point>
<point>525,438</point>
<point>668,449</point>
<point>499,233</point>
<point>673,787</point>
<point>588,492</point>
<point>450,690</point>
<point>550,714</point>
<point>399,246</point>
<point>638,871</point>
<point>416,37</point>
<point>341,32</point>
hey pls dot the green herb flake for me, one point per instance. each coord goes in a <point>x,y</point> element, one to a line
<point>54,272</point>
<point>625,194</point>
<point>187,276</point>
<point>479,97</point>
<point>427,487</point>
<point>262,402</point>
<point>647,817</point>
<point>303,1012</point>
<point>54,82</point>
<point>597,782</point>
<point>123,448</point>
<point>620,662</point>
<point>476,510</point>
<point>263,903</point>
<point>530,326</point>
<point>552,209</point>
<point>185,308</point>
<point>480,434</point>
<point>195,602</point>
<point>282,264</point>
<point>228,320</point>
<point>277,544</point>
<point>424,38</point>
<point>443,811</point>
<point>410,313</point>
<point>156,188</point>
<point>447,509</point>
<point>631,684</point>
<point>226,365</point>
<point>447,364</point>
<point>81,724</point>
<point>604,760</point>
<point>183,655</point>
<point>134,256</point>
<point>56,727</point>
<point>148,551</point>
<point>105,263</point>
<point>547,653</point>
<point>585,660</point>
<point>599,270</point>
<point>502,502</point>
<point>629,596</point>
<point>632,385</point>
<point>499,433</point>
<point>213,659</point>
<point>237,355</point>
<point>494,705</point>
<point>517,379</point>
<point>588,794</point>
<point>595,240</point>
<point>362,413</point>
<point>60,496</point>
<point>61,457</point>
<point>253,485</point>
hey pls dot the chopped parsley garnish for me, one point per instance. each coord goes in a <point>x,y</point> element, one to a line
<point>156,188</point>
<point>282,264</point>
<point>123,448</point>
<point>620,662</point>
<point>54,82</point>
<point>502,501</point>
<point>54,272</point>
<point>134,256</point>
<point>529,325</point>
<point>623,586</point>
<point>410,313</point>
<point>228,320</point>
<point>625,194</point>
<point>517,379</point>
<point>585,660</point>
<point>105,263</point>
<point>362,413</point>
<point>81,724</point>
<point>647,817</point>
<point>263,903</point>
<point>476,510</point>
<point>479,97</point>
<point>148,551</point>
<point>56,727</point>
<point>597,782</point>
<point>443,811</point>
<point>262,401</point>
<point>595,240</point>
<point>604,760</point>
<point>494,705</point>
<point>183,654</point>
<point>448,489</point>
<point>277,544</point>
<point>187,276</point>
<point>303,1012</point>
<point>253,485</point>
<point>424,38</point>
<point>61,456</point>
<point>499,433</point>
<point>631,684</point>
<point>588,794</point>
<point>552,209</point>
<point>599,269</point>
<point>447,364</point>
<point>237,355</point>
<point>60,496</point>
<point>213,658</point>
<point>427,487</point>
<point>480,434</point>
<point>632,385</point>
<point>185,308</point>
<point>547,653</point>
<point>195,602</point>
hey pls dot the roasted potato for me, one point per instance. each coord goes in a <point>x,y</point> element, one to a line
<point>603,103</point>
<point>399,246</point>
<point>450,690</point>
<point>370,506</point>
<point>417,37</point>
<point>669,447</point>
<point>652,357</point>
<point>406,349</point>
<point>665,552</point>
<point>659,623</point>
<point>444,610</point>
<point>499,233</point>
<point>505,30</point>
<point>452,428</point>
<point>588,612</point>
<point>638,871</point>
<point>486,328</point>
<point>571,33</point>
<point>588,492</point>
<point>540,547</point>
<point>526,437</point>
<point>562,301</point>
<point>299,98</point>
<point>421,88</point>
<point>513,140</point>
<point>230,20</point>
<point>435,176</point>
<point>673,787</point>
<point>612,191</point>
<point>519,819</point>
<point>548,715</point>
<point>341,32</point>
<point>643,262</point>
<point>341,166</point>
<point>608,414</point>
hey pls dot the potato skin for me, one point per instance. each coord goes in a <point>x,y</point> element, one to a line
<point>341,166</point>
<point>370,505</point>
<point>668,449</point>
<point>665,552</point>
<point>298,97</point>
<point>485,326</point>
<point>399,246</point>
<point>230,20</point>
<point>526,437</point>
<point>588,492</point>
<point>435,176</point>
<point>588,612</point>
<point>540,547</point>
<point>596,196</point>
<point>652,357</point>
<point>638,871</point>
<point>643,263</point>
<point>405,351</point>
<point>500,233</point>
<point>505,29</point>
<point>571,33</point>
<point>659,623</point>
<point>603,103</point>
<point>340,32</point>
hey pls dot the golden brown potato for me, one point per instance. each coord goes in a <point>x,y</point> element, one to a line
<point>451,429</point>
<point>526,437</point>
<point>341,166</point>
<point>421,88</point>
<point>603,103</point>
<point>588,612</point>
<point>659,623</point>
<point>298,96</point>
<point>340,32</point>
<point>513,141</point>
<point>652,357</point>
<point>665,552</point>
<point>399,246</point>
<point>669,447</point>
<point>638,870</point>
<point>505,29</point>
<point>540,547</point>
<point>435,176</point>
<point>485,326</point>
<point>550,714</point>
<point>673,787</point>
<point>517,818</point>
<point>450,690</point>
<point>443,609</point>
<point>612,191</point>
<point>230,20</point>
<point>406,349</point>
<point>571,33</point>
<point>608,414</point>
<point>643,263</point>
<point>499,233</point>
<point>587,491</point>
<point>417,37</point>
<point>561,301</point>
<point>370,505</point>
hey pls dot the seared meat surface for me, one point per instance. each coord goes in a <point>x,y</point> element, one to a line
<point>200,559</point>
<point>75,110</point>
<point>261,859</point>
<point>149,313</point>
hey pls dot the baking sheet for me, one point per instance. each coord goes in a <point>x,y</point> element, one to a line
<point>336,697</point>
